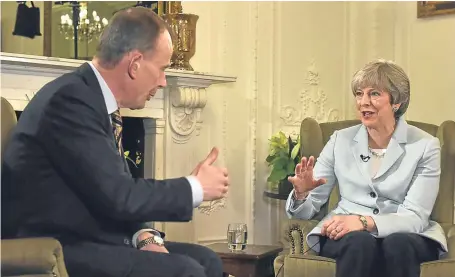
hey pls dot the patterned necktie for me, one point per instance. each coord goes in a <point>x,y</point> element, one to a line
<point>117,126</point>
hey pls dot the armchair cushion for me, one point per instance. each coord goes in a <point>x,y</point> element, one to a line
<point>299,265</point>
<point>441,268</point>
<point>32,257</point>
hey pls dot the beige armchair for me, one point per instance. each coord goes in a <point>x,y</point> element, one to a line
<point>37,257</point>
<point>302,262</point>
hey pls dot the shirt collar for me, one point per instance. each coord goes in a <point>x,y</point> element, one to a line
<point>109,99</point>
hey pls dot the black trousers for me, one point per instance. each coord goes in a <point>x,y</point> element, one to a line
<point>359,254</point>
<point>87,259</point>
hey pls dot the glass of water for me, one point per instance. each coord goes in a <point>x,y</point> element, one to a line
<point>237,235</point>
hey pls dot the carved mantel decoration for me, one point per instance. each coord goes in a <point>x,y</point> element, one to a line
<point>186,107</point>
<point>187,99</point>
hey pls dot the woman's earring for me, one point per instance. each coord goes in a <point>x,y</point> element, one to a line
<point>395,109</point>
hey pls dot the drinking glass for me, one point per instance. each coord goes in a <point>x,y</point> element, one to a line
<point>237,235</point>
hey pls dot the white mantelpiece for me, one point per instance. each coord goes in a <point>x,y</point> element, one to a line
<point>24,75</point>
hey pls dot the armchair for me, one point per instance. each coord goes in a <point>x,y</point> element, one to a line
<point>28,257</point>
<point>303,262</point>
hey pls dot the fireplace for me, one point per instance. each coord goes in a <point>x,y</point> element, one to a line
<point>133,144</point>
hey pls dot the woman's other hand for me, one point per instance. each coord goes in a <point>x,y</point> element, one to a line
<point>339,225</point>
<point>303,180</point>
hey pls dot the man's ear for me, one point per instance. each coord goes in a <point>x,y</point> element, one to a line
<point>134,65</point>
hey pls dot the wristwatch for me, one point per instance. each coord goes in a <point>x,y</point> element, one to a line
<point>153,239</point>
<point>364,222</point>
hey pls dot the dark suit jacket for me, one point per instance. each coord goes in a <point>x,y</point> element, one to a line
<point>63,177</point>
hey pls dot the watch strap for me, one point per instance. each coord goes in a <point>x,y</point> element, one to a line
<point>364,222</point>
<point>148,241</point>
<point>149,230</point>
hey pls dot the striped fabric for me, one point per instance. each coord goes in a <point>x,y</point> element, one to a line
<point>117,126</point>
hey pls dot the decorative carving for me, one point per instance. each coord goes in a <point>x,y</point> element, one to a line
<point>186,104</point>
<point>312,101</point>
<point>208,207</point>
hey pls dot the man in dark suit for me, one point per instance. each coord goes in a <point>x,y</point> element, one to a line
<point>64,174</point>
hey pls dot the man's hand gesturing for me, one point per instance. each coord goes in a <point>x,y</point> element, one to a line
<point>214,180</point>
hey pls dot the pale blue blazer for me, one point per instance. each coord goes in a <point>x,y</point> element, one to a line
<point>405,187</point>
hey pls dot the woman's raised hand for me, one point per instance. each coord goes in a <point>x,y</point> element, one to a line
<point>303,180</point>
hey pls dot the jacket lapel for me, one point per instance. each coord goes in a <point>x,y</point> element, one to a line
<point>360,148</point>
<point>395,149</point>
<point>89,77</point>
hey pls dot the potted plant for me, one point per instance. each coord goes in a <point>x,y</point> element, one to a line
<point>284,155</point>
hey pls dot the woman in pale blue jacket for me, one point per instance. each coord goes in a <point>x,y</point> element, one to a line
<point>388,174</point>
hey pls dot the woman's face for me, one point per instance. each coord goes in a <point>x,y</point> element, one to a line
<point>374,107</point>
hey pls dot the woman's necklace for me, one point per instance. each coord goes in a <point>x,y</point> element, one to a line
<point>381,155</point>
<point>376,154</point>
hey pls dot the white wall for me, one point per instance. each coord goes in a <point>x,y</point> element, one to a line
<point>426,48</point>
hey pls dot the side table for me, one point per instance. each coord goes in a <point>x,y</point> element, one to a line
<point>254,261</point>
<point>276,195</point>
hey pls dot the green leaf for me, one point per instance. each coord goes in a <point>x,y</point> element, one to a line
<point>281,162</point>
<point>290,168</point>
<point>295,151</point>
<point>270,158</point>
<point>277,174</point>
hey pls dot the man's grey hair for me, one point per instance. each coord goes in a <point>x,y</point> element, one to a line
<point>385,76</point>
<point>130,29</point>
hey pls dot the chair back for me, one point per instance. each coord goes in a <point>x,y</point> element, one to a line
<point>314,135</point>
<point>9,121</point>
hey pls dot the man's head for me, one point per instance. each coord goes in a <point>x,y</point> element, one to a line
<point>133,52</point>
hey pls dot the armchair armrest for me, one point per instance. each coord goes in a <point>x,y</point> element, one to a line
<point>32,256</point>
<point>294,232</point>
<point>451,243</point>
<point>297,230</point>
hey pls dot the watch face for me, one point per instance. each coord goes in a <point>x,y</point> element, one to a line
<point>159,240</point>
